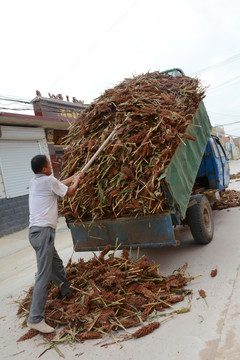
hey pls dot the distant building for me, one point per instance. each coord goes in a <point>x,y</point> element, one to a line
<point>232,147</point>
<point>237,145</point>
<point>218,131</point>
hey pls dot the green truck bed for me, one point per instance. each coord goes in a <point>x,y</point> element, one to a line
<point>181,172</point>
<point>152,230</point>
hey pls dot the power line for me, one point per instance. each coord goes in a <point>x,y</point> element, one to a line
<point>228,115</point>
<point>225,83</point>
<point>236,122</point>
<point>231,135</point>
<point>95,44</point>
<point>49,109</point>
<point>217,65</point>
<point>6,98</point>
<point>48,106</point>
<point>15,109</point>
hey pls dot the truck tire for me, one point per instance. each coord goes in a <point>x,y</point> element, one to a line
<point>199,218</point>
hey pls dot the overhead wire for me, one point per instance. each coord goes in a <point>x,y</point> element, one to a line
<point>236,122</point>
<point>55,109</point>
<point>15,109</point>
<point>50,108</point>
<point>229,115</point>
<point>95,44</point>
<point>234,81</point>
<point>218,64</point>
<point>231,135</point>
<point>16,99</point>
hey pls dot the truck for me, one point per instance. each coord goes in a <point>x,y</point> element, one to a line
<point>195,177</point>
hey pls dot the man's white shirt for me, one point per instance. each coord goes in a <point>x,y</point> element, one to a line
<point>43,193</point>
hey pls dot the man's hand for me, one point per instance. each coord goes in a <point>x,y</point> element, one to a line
<point>80,174</point>
<point>75,181</point>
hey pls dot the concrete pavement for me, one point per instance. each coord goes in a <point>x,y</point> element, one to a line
<point>210,331</point>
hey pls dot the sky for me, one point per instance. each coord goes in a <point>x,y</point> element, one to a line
<point>81,48</point>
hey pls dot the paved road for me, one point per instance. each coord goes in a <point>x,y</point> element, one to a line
<point>210,331</point>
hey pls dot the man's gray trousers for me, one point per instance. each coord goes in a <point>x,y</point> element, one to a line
<point>49,267</point>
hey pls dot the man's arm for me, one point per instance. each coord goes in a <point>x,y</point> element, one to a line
<point>69,180</point>
<point>75,181</point>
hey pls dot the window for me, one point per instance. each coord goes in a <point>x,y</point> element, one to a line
<point>220,149</point>
<point>214,147</point>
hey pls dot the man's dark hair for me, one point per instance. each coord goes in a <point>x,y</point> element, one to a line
<point>38,162</point>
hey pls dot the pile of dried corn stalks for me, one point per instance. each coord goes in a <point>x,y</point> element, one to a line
<point>154,110</point>
<point>111,293</point>
<point>229,199</point>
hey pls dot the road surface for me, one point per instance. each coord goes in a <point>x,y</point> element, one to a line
<point>210,331</point>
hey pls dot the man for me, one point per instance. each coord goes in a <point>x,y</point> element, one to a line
<point>43,192</point>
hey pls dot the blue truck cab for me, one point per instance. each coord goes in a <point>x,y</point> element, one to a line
<point>214,170</point>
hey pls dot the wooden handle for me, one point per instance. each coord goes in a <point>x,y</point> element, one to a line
<point>89,163</point>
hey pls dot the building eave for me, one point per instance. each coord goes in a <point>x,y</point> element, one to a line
<point>34,121</point>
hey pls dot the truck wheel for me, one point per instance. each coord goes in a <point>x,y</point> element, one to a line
<point>199,218</point>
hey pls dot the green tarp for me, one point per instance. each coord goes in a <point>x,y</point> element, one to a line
<point>181,173</point>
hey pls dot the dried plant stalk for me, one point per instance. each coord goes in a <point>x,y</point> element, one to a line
<point>110,293</point>
<point>154,110</point>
